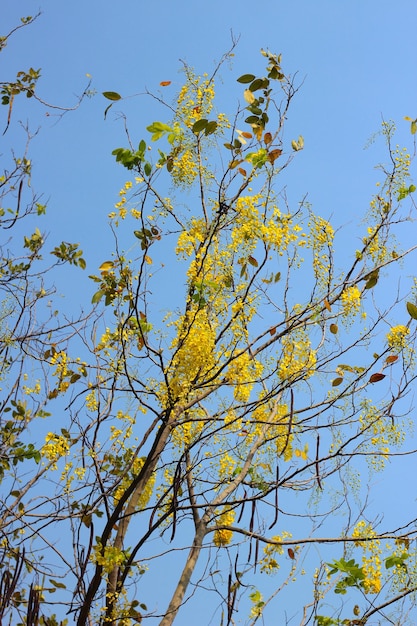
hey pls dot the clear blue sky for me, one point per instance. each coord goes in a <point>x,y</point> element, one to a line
<point>357,58</point>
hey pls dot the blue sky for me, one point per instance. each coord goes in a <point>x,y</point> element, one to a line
<point>356,59</point>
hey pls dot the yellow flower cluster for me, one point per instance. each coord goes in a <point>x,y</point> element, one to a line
<point>195,352</point>
<point>269,563</point>
<point>189,430</point>
<point>278,421</point>
<point>121,204</point>
<point>60,359</point>
<point>384,433</point>
<point>91,401</point>
<point>195,100</point>
<point>371,560</point>
<point>55,447</point>
<point>32,390</point>
<point>375,249</point>
<point>247,223</point>
<point>243,373</point>
<point>108,558</point>
<point>226,465</point>
<point>320,239</point>
<point>396,337</point>
<point>223,537</point>
<point>184,169</point>
<point>298,359</point>
<point>189,240</point>
<point>134,469</point>
<point>351,301</point>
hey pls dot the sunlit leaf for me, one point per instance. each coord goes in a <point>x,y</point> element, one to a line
<point>249,97</point>
<point>97,296</point>
<point>327,305</point>
<point>106,267</point>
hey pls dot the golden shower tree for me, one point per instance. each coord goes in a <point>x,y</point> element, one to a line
<point>244,373</point>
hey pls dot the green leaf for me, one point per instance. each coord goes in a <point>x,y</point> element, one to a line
<point>55,583</point>
<point>210,128</point>
<point>259,83</point>
<point>372,279</point>
<point>414,127</point>
<point>199,125</point>
<point>337,381</point>
<point>97,297</point>
<point>395,560</point>
<point>112,95</point>
<point>412,310</point>
<point>158,130</point>
<point>252,119</point>
<point>246,78</point>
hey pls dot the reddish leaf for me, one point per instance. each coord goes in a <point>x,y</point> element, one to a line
<point>327,305</point>
<point>391,359</point>
<point>375,378</point>
<point>242,171</point>
<point>291,553</point>
<point>334,329</point>
<point>267,138</point>
<point>273,330</point>
<point>273,155</point>
<point>165,83</point>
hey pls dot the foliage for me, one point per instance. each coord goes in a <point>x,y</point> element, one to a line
<point>237,375</point>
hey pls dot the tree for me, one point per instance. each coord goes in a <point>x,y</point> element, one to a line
<point>28,323</point>
<point>225,420</point>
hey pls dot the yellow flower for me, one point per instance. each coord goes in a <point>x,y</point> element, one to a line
<point>351,301</point>
<point>223,537</point>
<point>396,337</point>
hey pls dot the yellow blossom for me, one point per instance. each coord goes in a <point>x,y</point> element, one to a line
<point>351,301</point>
<point>222,537</point>
<point>396,337</point>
